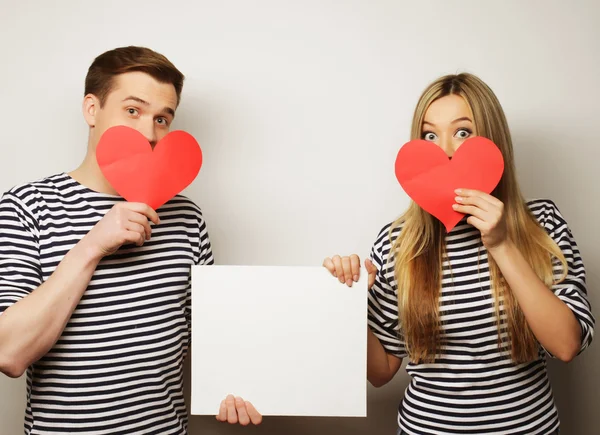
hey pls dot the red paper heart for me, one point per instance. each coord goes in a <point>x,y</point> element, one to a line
<point>430,178</point>
<point>139,173</point>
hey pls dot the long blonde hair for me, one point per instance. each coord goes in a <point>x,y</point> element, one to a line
<point>420,248</point>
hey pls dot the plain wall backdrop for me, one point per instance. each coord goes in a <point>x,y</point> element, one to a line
<point>300,109</point>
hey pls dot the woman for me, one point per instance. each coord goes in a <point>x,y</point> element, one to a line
<point>475,310</point>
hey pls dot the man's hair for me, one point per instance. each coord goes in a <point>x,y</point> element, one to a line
<point>100,77</point>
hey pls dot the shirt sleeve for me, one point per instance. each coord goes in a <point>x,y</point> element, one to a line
<point>383,299</point>
<point>573,289</point>
<point>203,255</point>
<point>20,267</point>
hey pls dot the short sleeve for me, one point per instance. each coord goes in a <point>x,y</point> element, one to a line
<point>573,289</point>
<point>383,299</point>
<point>204,256</point>
<point>20,268</point>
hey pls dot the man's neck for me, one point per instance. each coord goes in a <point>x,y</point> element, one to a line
<point>89,175</point>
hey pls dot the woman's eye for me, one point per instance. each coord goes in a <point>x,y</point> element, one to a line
<point>132,111</point>
<point>463,133</point>
<point>429,136</point>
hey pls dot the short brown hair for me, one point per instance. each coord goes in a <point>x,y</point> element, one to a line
<point>99,79</point>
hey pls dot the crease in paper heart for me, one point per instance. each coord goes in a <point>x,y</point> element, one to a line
<point>142,174</point>
<point>430,178</point>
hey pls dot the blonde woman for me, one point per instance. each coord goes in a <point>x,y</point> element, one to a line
<point>474,311</point>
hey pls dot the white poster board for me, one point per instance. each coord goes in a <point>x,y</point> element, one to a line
<point>291,340</point>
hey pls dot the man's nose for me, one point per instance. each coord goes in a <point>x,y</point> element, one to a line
<point>149,133</point>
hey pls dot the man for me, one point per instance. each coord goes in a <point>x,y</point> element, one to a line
<point>95,297</point>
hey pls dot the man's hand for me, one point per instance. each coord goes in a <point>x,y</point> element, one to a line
<point>236,410</point>
<point>126,222</point>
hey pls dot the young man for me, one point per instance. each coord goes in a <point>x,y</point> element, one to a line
<point>95,291</point>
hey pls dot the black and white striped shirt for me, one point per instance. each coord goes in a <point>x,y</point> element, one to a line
<point>118,366</point>
<point>473,387</point>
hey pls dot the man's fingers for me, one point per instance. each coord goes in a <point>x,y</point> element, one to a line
<point>254,415</point>
<point>144,209</point>
<point>240,406</point>
<point>231,412</point>
<point>135,237</point>
<point>135,227</point>
<point>143,230</point>
<point>222,415</point>
<point>141,220</point>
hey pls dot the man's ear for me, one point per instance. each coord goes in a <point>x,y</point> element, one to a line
<point>91,104</point>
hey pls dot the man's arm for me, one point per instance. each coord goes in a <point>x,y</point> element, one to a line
<point>32,325</point>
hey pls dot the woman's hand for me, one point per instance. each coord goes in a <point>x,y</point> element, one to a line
<point>347,269</point>
<point>486,214</point>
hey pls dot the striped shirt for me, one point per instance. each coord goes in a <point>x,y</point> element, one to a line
<point>118,366</point>
<point>472,387</point>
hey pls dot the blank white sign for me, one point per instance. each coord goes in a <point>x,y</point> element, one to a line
<point>291,340</point>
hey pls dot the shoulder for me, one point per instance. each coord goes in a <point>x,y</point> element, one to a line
<point>381,252</point>
<point>184,208</point>
<point>29,196</point>
<point>183,203</point>
<point>188,213</point>
<point>547,213</point>
<point>388,234</point>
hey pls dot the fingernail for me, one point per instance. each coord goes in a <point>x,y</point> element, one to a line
<point>349,283</point>
<point>458,199</point>
<point>458,191</point>
<point>335,274</point>
<point>455,206</point>
<point>355,278</point>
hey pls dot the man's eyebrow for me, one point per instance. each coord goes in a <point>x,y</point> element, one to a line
<point>169,111</point>
<point>166,109</point>
<point>139,100</point>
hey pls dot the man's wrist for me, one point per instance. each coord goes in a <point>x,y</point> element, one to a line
<point>87,252</point>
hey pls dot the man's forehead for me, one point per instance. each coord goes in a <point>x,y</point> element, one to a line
<point>146,88</point>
